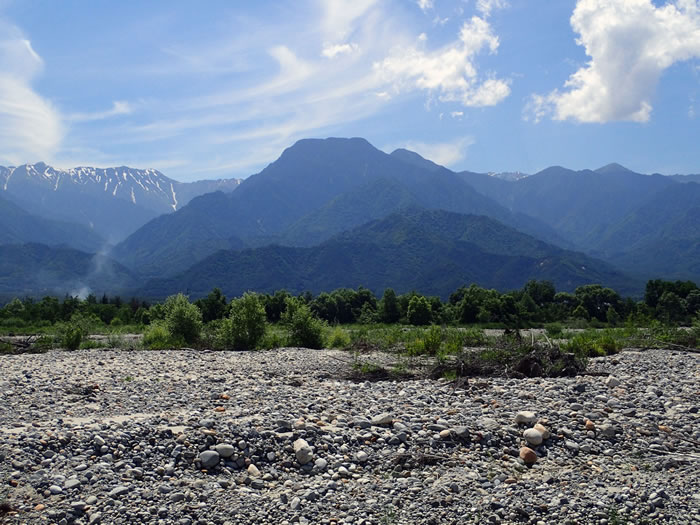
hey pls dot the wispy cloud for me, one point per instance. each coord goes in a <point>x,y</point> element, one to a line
<point>256,95</point>
<point>119,107</point>
<point>630,44</point>
<point>30,126</point>
<point>446,154</point>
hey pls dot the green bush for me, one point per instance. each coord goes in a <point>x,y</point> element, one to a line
<point>432,340</point>
<point>183,319</point>
<point>339,338</point>
<point>157,337</point>
<point>303,329</point>
<point>71,337</point>
<point>554,330</point>
<point>246,326</point>
<point>593,344</point>
<point>272,340</point>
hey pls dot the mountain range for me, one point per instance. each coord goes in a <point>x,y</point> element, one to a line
<point>112,202</point>
<point>339,212</point>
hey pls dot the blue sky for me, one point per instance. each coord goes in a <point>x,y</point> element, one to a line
<point>218,89</point>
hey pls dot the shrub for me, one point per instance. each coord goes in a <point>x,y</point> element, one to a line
<point>339,338</point>
<point>432,340</point>
<point>593,344</point>
<point>157,337</point>
<point>71,337</point>
<point>183,319</point>
<point>246,326</point>
<point>303,329</point>
<point>271,340</point>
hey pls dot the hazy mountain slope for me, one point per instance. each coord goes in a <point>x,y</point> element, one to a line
<point>19,226</point>
<point>431,251</point>
<point>577,204</point>
<point>112,201</point>
<point>661,238</point>
<point>172,243</point>
<point>36,270</point>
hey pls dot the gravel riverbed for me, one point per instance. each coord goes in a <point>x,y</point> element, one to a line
<point>192,437</point>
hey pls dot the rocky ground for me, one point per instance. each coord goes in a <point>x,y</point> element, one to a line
<point>279,437</point>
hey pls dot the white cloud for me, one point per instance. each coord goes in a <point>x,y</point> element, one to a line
<point>631,43</point>
<point>442,153</point>
<point>30,127</point>
<point>332,51</point>
<point>450,71</point>
<point>486,6</point>
<point>119,107</point>
<point>425,5</point>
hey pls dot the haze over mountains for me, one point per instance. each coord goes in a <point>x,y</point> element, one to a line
<point>339,212</point>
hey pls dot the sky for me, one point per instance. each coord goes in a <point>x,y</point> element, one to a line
<point>218,89</point>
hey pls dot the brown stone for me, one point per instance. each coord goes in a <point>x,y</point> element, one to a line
<point>590,425</point>
<point>528,455</point>
<point>40,507</point>
<point>219,409</point>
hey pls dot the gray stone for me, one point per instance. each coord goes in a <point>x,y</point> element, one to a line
<point>119,490</point>
<point>209,459</point>
<point>382,419</point>
<point>303,451</point>
<point>225,450</point>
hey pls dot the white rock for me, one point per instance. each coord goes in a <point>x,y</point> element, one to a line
<point>525,417</point>
<point>612,382</point>
<point>303,451</point>
<point>533,436</point>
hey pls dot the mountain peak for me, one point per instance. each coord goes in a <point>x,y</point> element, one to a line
<point>415,159</point>
<point>613,168</point>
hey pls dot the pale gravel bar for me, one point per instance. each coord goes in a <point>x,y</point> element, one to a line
<point>104,436</point>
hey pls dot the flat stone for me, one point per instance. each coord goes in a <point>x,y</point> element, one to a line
<point>225,450</point>
<point>119,490</point>
<point>383,419</point>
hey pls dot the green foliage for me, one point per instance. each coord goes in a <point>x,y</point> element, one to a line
<point>303,329</point>
<point>418,312</point>
<point>182,319</point>
<point>71,337</point>
<point>554,330</point>
<point>213,306</point>
<point>246,326</point>
<point>593,343</point>
<point>157,337</point>
<point>339,338</point>
<point>272,340</point>
<point>389,307</point>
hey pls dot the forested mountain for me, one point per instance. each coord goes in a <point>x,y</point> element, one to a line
<point>38,270</point>
<point>339,212</point>
<point>428,250</point>
<point>19,226</point>
<point>659,238</point>
<point>579,205</point>
<point>316,189</point>
<point>112,201</point>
